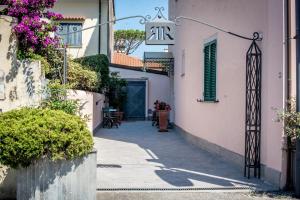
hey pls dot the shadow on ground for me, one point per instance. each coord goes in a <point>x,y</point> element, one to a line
<point>152,159</point>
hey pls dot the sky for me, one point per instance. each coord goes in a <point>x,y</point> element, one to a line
<point>125,8</point>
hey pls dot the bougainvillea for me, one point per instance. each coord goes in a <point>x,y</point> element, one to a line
<point>35,24</point>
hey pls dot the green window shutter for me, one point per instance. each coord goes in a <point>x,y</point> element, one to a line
<point>206,73</point>
<point>210,70</point>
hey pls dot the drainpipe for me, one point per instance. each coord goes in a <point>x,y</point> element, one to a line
<point>297,173</point>
<point>108,30</point>
<point>297,37</point>
<point>287,147</point>
<point>99,45</point>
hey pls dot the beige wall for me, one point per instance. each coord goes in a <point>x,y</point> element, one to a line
<point>89,9</point>
<point>158,87</point>
<point>223,123</point>
<point>107,14</point>
<point>91,105</point>
<point>22,80</point>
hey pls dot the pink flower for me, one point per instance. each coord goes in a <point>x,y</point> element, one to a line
<point>32,32</point>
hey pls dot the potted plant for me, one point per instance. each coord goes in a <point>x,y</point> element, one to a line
<point>163,115</point>
<point>291,119</point>
<point>50,150</point>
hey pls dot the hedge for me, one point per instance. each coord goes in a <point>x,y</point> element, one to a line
<point>80,78</point>
<point>98,63</point>
<point>28,134</point>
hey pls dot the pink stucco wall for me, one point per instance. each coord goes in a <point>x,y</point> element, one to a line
<point>223,123</point>
<point>91,105</point>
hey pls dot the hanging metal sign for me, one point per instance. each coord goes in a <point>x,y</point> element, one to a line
<point>160,31</point>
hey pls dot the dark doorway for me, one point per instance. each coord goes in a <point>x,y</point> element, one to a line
<point>136,100</point>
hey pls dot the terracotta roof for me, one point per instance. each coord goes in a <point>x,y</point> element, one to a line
<point>123,59</point>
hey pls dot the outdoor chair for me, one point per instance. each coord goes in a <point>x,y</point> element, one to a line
<point>109,118</point>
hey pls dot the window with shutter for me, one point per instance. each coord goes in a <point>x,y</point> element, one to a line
<point>210,65</point>
<point>74,39</point>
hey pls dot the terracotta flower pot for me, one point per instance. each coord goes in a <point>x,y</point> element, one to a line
<point>163,120</point>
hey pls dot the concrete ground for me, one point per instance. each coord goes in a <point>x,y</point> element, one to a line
<point>137,157</point>
<point>190,196</point>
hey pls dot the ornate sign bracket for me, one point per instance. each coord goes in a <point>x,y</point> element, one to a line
<point>160,31</point>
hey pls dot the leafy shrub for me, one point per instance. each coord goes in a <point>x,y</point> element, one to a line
<point>56,99</point>
<point>44,63</point>
<point>55,58</point>
<point>52,61</point>
<point>28,134</point>
<point>117,91</point>
<point>291,118</point>
<point>98,63</point>
<point>80,78</point>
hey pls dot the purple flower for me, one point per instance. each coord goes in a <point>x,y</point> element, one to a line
<point>32,32</point>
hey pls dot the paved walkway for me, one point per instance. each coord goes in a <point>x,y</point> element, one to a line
<point>137,156</point>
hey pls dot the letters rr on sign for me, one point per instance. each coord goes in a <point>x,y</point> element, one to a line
<point>160,33</point>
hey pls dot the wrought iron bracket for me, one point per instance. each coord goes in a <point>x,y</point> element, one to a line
<point>143,20</point>
<point>256,36</point>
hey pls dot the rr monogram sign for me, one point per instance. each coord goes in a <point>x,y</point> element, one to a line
<point>160,31</point>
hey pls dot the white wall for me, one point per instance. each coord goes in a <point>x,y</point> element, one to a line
<point>158,85</point>
<point>90,11</point>
<point>223,123</point>
<point>22,81</point>
<point>91,105</point>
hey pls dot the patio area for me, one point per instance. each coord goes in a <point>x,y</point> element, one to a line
<point>137,157</point>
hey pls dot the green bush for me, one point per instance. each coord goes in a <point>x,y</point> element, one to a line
<point>56,99</point>
<point>291,119</point>
<point>80,78</point>
<point>98,63</point>
<point>44,63</point>
<point>55,59</point>
<point>117,94</point>
<point>28,134</point>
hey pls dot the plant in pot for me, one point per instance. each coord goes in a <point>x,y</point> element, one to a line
<point>46,147</point>
<point>291,119</point>
<point>163,115</point>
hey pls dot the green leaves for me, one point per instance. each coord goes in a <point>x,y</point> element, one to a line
<point>81,78</point>
<point>27,135</point>
<point>100,65</point>
<point>116,94</point>
<point>57,99</point>
<point>291,119</point>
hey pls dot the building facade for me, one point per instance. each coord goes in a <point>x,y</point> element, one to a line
<point>209,98</point>
<point>80,15</point>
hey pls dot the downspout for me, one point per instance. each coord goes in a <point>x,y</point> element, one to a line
<point>108,30</point>
<point>100,21</point>
<point>297,171</point>
<point>287,148</point>
<point>297,37</point>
